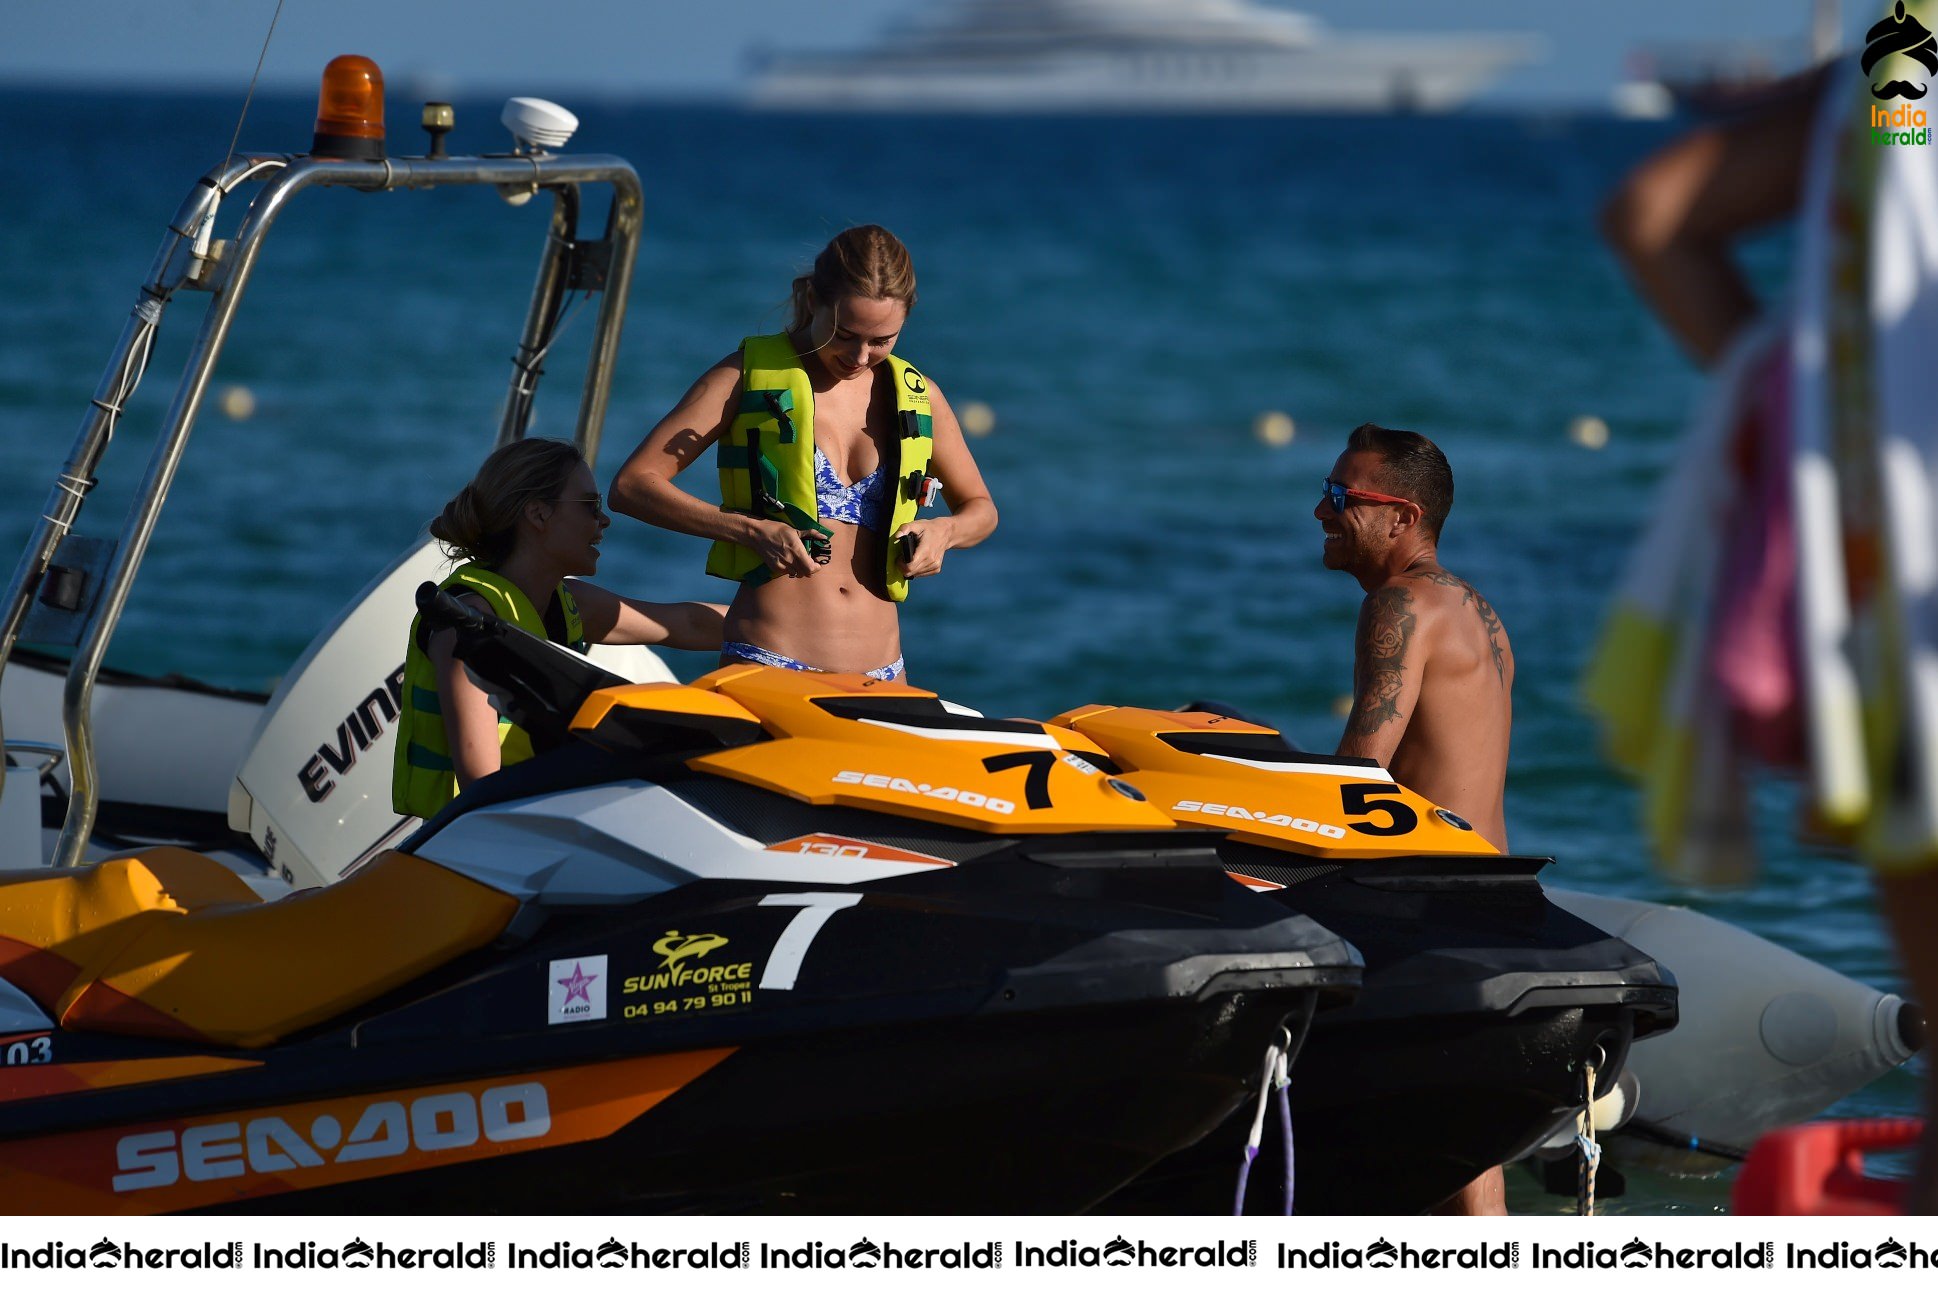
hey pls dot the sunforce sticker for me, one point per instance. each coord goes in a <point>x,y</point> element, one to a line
<point>688,979</point>
<point>1298,824</point>
<point>939,792</point>
<point>577,989</point>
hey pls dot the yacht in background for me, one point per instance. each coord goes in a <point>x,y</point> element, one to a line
<point>1155,56</point>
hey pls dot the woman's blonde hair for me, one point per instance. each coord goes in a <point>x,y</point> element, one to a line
<point>866,260</point>
<point>481,522</point>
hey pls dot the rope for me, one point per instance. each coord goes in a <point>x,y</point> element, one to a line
<point>1281,1079</point>
<point>1591,1152</point>
<point>1257,1129</point>
<point>1274,1078</point>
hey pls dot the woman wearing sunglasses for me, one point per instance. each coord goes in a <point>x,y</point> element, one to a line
<point>529,521</point>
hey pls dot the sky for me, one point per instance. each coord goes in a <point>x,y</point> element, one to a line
<point>657,48</point>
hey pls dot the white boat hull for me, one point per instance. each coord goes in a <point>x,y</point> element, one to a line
<point>1767,1038</point>
<point>1402,74</point>
<point>294,785</point>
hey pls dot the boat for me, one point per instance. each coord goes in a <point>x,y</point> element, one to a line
<point>292,788</point>
<point>1798,1037</point>
<point>1484,1005</point>
<point>1136,56</point>
<point>773,942</point>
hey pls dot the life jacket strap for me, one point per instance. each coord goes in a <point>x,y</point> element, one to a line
<point>424,759</point>
<point>779,403</point>
<point>815,536</point>
<point>774,402</point>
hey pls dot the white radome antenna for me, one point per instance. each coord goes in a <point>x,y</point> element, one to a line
<point>537,125</point>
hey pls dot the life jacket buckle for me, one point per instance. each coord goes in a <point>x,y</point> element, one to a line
<point>820,547</point>
<point>773,400</point>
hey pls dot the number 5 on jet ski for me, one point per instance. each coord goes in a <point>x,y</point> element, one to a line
<point>528,522</point>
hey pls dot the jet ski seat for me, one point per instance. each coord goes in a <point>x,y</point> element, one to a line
<point>52,923</point>
<point>170,944</point>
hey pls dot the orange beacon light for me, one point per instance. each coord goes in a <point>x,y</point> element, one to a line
<point>350,110</point>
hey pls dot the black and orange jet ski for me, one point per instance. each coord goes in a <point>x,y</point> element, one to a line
<point>1483,1003</point>
<point>770,942</point>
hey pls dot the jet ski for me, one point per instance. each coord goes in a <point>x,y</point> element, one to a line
<point>1484,1001</point>
<point>772,942</point>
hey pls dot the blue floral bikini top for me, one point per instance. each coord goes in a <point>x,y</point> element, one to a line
<point>864,502</point>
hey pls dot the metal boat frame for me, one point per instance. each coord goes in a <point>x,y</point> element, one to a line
<point>92,591</point>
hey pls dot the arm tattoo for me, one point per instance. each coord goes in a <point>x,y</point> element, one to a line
<point>1386,624</point>
<point>1488,618</point>
<point>1495,634</point>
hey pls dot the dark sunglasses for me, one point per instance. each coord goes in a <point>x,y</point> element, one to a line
<point>1338,494</point>
<point>590,501</point>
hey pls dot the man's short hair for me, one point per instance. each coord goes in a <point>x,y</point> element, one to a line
<point>1410,467</point>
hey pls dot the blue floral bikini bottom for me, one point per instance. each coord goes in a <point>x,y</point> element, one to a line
<point>742,652</point>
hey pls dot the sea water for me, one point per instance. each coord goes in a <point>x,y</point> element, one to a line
<point>1127,296</point>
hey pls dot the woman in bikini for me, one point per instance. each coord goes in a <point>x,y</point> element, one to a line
<point>821,563</point>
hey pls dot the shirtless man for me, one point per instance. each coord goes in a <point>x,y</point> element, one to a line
<point>1433,674</point>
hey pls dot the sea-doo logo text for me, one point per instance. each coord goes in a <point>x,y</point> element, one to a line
<point>1298,824</point>
<point>269,1144</point>
<point>363,727</point>
<point>673,947</point>
<point>940,792</point>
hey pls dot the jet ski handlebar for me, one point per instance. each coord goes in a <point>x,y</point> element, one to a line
<point>539,685</point>
<point>441,610</point>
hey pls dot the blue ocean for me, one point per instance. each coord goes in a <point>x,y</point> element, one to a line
<point>1126,296</point>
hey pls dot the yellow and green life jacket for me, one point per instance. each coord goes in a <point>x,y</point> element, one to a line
<point>767,456</point>
<point>423,779</point>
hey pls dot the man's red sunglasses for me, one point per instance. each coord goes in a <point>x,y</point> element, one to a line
<point>1337,493</point>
